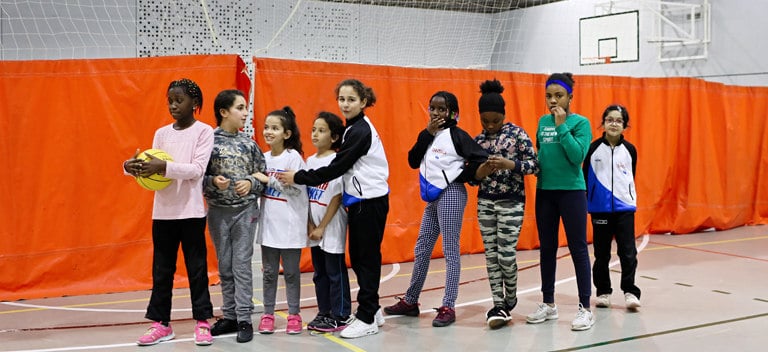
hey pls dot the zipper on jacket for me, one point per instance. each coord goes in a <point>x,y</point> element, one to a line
<point>613,205</point>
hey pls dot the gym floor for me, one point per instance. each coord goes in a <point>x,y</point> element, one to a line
<point>701,292</point>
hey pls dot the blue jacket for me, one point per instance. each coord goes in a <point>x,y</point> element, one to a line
<point>610,176</point>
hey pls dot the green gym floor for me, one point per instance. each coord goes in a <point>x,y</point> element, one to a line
<point>701,292</point>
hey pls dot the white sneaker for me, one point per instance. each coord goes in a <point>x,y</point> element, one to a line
<point>379,317</point>
<point>603,301</point>
<point>583,320</point>
<point>542,313</point>
<point>632,301</point>
<point>358,328</point>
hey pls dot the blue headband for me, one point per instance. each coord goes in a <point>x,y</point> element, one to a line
<point>561,83</point>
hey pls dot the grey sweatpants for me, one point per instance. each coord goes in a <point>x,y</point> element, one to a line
<point>270,259</point>
<point>232,231</point>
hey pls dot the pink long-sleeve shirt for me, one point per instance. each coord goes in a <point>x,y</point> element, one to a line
<point>191,150</point>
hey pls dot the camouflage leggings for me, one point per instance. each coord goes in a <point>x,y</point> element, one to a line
<point>500,223</point>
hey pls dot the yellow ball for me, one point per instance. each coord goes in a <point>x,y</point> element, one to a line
<point>154,182</point>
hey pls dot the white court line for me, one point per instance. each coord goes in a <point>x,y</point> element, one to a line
<point>395,270</point>
<point>533,289</point>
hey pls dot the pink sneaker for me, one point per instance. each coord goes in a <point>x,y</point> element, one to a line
<point>203,333</point>
<point>267,324</point>
<point>294,324</point>
<point>155,334</point>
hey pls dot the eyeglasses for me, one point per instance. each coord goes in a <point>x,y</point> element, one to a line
<point>616,121</point>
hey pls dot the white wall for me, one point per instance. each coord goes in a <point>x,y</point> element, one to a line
<point>737,53</point>
<point>540,39</point>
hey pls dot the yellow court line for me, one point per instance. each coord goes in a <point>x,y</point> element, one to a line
<point>660,247</point>
<point>341,342</point>
<point>328,336</point>
<point>664,246</point>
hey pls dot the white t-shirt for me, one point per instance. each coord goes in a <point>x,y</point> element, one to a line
<point>284,209</point>
<point>335,237</point>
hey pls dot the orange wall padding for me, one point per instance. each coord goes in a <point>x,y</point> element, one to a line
<point>702,146</point>
<point>73,224</point>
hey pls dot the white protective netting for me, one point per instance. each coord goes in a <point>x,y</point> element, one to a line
<point>421,33</point>
<point>481,34</point>
<point>49,29</point>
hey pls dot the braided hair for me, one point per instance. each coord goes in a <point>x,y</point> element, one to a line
<point>191,89</point>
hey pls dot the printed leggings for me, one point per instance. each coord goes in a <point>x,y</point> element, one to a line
<point>444,215</point>
<point>500,223</point>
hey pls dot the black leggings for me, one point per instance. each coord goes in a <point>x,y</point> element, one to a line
<point>571,206</point>
<point>167,235</point>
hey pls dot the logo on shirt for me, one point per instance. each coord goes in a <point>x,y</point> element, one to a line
<point>315,193</point>
<point>548,135</point>
<point>272,193</point>
<point>439,152</point>
<point>622,168</point>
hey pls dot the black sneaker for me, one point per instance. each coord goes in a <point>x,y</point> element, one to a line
<point>497,317</point>
<point>331,324</point>
<point>223,326</point>
<point>318,320</point>
<point>244,331</point>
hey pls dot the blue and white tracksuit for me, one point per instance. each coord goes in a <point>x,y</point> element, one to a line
<point>609,172</point>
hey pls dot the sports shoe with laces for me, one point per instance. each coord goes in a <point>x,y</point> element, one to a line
<point>543,312</point>
<point>319,319</point>
<point>358,328</point>
<point>267,324</point>
<point>331,324</point>
<point>584,319</point>
<point>379,317</point>
<point>603,301</point>
<point>203,333</point>
<point>632,301</point>
<point>294,326</point>
<point>403,308</point>
<point>497,317</point>
<point>223,326</point>
<point>244,331</point>
<point>445,316</point>
<point>155,334</point>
